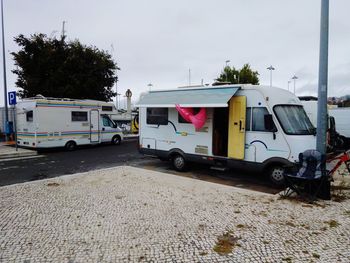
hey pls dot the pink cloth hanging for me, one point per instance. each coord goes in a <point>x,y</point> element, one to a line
<point>197,120</point>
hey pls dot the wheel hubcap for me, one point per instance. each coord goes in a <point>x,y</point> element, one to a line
<point>179,162</point>
<point>277,174</point>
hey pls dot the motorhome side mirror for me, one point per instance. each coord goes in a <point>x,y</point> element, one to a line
<point>269,125</point>
<point>331,124</point>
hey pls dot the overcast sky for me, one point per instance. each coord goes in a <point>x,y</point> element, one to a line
<point>157,41</point>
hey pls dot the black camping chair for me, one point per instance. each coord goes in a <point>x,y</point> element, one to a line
<point>310,178</point>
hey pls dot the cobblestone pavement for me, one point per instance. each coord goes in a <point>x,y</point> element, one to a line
<point>128,214</point>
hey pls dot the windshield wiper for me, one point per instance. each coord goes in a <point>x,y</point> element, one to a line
<point>313,130</point>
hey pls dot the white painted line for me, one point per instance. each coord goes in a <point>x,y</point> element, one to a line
<point>21,158</point>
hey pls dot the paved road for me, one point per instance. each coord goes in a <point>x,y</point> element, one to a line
<point>59,162</point>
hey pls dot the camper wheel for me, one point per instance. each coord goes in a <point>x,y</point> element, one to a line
<point>179,162</point>
<point>116,140</point>
<point>275,173</point>
<point>71,146</point>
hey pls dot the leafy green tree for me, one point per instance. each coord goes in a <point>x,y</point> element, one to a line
<point>56,68</point>
<point>239,76</point>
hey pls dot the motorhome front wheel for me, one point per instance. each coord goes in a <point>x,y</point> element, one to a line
<point>276,174</point>
<point>179,162</point>
<point>116,140</point>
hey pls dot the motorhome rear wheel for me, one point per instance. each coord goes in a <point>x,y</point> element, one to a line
<point>179,162</point>
<point>71,146</point>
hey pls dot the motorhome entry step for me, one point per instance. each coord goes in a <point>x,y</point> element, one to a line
<point>219,168</point>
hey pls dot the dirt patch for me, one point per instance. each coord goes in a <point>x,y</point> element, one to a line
<point>226,243</point>
<point>332,223</point>
<point>53,184</point>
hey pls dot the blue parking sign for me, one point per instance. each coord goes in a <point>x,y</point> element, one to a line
<point>12,98</point>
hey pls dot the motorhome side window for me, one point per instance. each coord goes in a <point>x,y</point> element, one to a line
<point>107,108</point>
<point>248,119</point>
<point>79,116</point>
<point>29,115</point>
<point>182,120</point>
<point>255,119</point>
<point>158,116</point>
<point>107,122</point>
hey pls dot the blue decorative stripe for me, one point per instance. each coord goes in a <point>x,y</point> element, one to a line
<point>268,149</point>
<point>67,105</point>
<point>260,142</point>
<point>65,133</point>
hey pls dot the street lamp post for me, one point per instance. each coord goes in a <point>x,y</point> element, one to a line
<point>116,93</point>
<point>118,98</point>
<point>271,68</point>
<point>322,116</point>
<point>227,61</point>
<point>149,86</point>
<point>294,78</point>
<point>323,80</point>
<point>4,64</point>
<point>288,84</point>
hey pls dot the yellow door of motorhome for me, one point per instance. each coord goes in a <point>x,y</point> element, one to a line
<point>236,127</point>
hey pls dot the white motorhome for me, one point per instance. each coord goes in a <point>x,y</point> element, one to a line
<point>338,123</point>
<point>246,126</point>
<point>342,120</point>
<point>48,122</point>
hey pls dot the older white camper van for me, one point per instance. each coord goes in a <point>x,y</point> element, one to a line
<point>48,122</point>
<point>246,126</point>
<point>338,132</point>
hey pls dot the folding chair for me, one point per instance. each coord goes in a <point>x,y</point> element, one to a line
<point>310,179</point>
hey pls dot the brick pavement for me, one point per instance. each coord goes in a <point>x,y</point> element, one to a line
<point>129,214</point>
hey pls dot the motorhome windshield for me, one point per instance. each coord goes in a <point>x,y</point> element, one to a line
<point>294,120</point>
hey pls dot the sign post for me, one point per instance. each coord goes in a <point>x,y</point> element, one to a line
<point>12,96</point>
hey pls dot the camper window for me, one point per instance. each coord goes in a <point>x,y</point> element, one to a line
<point>107,108</point>
<point>255,119</point>
<point>248,119</point>
<point>79,116</point>
<point>29,115</point>
<point>107,122</point>
<point>258,123</point>
<point>157,116</point>
<point>294,120</point>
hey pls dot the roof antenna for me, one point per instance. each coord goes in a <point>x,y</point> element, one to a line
<point>63,31</point>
